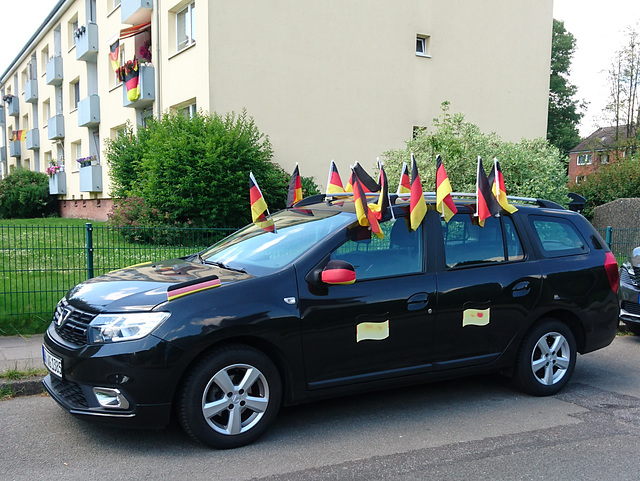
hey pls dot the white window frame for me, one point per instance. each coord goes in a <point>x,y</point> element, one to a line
<point>74,94</point>
<point>423,46</point>
<point>584,159</point>
<point>189,27</point>
<point>189,110</point>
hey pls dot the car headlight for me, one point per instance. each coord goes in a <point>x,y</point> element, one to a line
<point>124,327</point>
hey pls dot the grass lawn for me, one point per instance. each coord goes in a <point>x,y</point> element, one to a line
<point>40,259</point>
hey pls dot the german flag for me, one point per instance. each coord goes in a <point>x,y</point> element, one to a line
<point>365,179</point>
<point>496,180</point>
<point>259,209</point>
<point>114,55</point>
<point>444,201</point>
<point>349,186</point>
<point>417,205</point>
<point>486,203</point>
<point>191,287</point>
<point>295,188</point>
<point>366,217</point>
<point>18,135</point>
<point>132,81</point>
<point>334,184</point>
<point>380,208</point>
<point>338,272</point>
<point>404,187</point>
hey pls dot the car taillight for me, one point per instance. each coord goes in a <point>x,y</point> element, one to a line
<point>611,266</point>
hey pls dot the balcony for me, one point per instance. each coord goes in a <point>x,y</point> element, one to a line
<point>147,85</point>
<point>58,183</point>
<point>89,111</point>
<point>91,178</point>
<point>3,154</point>
<point>14,148</point>
<point>55,127</point>
<point>87,43</point>
<point>136,12</point>
<point>54,71</point>
<point>33,139</point>
<point>31,91</point>
<point>13,107</point>
<point>1,115</point>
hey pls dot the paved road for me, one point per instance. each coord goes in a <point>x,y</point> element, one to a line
<point>471,429</point>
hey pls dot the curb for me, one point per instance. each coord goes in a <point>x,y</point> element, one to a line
<point>23,387</point>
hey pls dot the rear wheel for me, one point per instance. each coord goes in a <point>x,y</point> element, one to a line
<point>546,359</point>
<point>230,397</point>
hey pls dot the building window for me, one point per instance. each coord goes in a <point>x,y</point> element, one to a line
<point>121,62</point>
<point>604,158</point>
<point>585,159</point>
<point>73,27</point>
<point>186,27</point>
<point>423,45</point>
<point>189,110</point>
<point>418,130</point>
<point>45,58</point>
<point>116,4</point>
<point>46,111</point>
<point>74,94</point>
<point>76,152</point>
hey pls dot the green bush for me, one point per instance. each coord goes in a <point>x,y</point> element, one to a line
<point>25,194</point>
<point>195,171</point>
<point>531,168</point>
<point>618,180</point>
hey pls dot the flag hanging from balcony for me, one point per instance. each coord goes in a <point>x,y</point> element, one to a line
<point>417,204</point>
<point>444,201</point>
<point>486,203</point>
<point>114,55</point>
<point>259,210</point>
<point>404,186</point>
<point>18,135</point>
<point>496,181</point>
<point>334,184</point>
<point>132,80</point>
<point>295,188</point>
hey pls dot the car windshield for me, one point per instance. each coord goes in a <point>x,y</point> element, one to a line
<point>260,252</point>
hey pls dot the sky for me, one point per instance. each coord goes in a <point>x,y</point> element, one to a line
<point>598,27</point>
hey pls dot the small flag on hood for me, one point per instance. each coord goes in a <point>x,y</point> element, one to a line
<point>191,287</point>
<point>444,201</point>
<point>295,188</point>
<point>417,204</point>
<point>486,203</point>
<point>334,184</point>
<point>259,211</point>
<point>496,181</point>
<point>404,186</point>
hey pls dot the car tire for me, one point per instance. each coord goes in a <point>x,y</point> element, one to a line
<point>230,397</point>
<point>634,328</point>
<point>546,359</point>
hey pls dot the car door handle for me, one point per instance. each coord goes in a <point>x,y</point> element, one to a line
<point>418,301</point>
<point>521,289</point>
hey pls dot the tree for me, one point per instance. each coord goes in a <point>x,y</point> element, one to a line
<point>623,109</point>
<point>24,194</point>
<point>531,168</point>
<point>564,110</point>
<point>193,171</point>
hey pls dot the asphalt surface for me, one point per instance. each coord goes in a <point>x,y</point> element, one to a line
<point>475,428</point>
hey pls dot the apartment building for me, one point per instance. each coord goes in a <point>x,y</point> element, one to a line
<point>339,79</point>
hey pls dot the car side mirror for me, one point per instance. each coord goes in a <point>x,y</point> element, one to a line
<point>338,273</point>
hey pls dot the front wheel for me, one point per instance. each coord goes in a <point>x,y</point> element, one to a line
<point>546,359</point>
<point>230,397</point>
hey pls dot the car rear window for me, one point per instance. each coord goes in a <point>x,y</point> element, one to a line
<point>558,237</point>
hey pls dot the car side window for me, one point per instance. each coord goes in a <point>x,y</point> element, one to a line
<point>558,237</point>
<point>399,252</point>
<point>514,245</point>
<point>465,242</point>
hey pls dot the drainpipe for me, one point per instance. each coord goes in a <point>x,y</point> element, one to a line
<point>158,61</point>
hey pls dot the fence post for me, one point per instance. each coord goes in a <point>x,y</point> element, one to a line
<point>609,235</point>
<point>89,230</point>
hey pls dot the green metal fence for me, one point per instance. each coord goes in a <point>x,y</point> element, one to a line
<point>39,264</point>
<point>621,241</point>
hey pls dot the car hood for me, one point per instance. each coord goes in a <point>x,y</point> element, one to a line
<point>143,286</point>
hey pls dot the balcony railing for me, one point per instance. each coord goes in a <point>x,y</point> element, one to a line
<point>58,183</point>
<point>54,71</point>
<point>87,43</point>
<point>33,139</point>
<point>14,148</point>
<point>13,107</point>
<point>31,91</point>
<point>147,85</point>
<point>89,111</point>
<point>91,178</point>
<point>136,12</point>
<point>2,115</point>
<point>55,127</point>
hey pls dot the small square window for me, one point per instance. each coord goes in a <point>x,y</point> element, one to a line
<point>423,46</point>
<point>585,159</point>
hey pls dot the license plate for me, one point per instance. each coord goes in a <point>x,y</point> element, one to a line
<point>53,363</point>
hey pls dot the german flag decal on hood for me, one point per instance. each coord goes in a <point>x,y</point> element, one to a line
<point>191,287</point>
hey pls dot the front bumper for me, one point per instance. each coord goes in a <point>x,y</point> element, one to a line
<point>629,303</point>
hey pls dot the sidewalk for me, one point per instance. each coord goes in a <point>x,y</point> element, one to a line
<point>20,354</point>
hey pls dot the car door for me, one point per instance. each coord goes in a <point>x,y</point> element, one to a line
<point>378,327</point>
<point>486,290</point>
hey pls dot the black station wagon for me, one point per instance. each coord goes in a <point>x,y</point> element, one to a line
<point>225,337</point>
